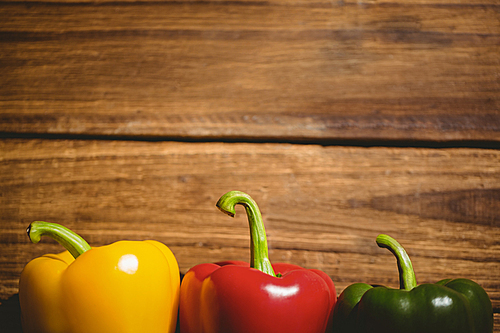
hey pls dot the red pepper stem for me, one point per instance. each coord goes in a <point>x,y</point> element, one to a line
<point>72,242</point>
<point>258,241</point>
<point>407,279</point>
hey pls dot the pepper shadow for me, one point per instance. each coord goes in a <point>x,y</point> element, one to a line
<point>10,315</point>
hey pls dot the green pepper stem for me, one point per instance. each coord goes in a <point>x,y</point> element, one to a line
<point>258,241</point>
<point>407,279</point>
<point>72,242</point>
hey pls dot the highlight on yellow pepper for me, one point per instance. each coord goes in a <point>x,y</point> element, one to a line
<point>124,287</point>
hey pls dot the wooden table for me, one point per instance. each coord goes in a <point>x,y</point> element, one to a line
<point>342,119</point>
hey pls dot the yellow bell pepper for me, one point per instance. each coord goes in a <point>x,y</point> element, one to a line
<point>125,287</point>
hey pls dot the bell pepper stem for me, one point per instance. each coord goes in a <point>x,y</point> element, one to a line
<point>72,242</point>
<point>258,241</point>
<point>407,279</point>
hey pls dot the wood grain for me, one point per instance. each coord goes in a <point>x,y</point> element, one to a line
<point>322,206</point>
<point>280,70</point>
<point>412,72</point>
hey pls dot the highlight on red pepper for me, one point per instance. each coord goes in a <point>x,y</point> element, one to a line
<point>124,287</point>
<point>451,305</point>
<point>234,296</point>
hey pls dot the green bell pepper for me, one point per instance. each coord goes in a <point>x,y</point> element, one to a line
<point>455,306</point>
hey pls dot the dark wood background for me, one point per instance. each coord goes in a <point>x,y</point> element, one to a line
<point>342,119</point>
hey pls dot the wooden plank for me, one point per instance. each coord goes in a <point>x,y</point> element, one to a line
<point>319,3</point>
<point>281,70</point>
<point>322,206</point>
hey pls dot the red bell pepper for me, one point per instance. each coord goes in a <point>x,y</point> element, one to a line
<point>237,297</point>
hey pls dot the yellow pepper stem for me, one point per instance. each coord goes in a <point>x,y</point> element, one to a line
<point>72,242</point>
<point>258,241</point>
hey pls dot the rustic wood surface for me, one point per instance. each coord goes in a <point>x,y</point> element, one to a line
<point>129,119</point>
<point>275,70</point>
<point>322,206</point>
